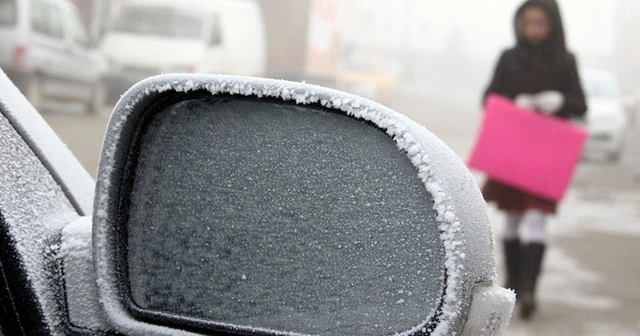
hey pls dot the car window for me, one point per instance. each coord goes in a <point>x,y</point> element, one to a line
<point>8,12</point>
<point>161,21</point>
<point>77,29</point>
<point>57,22</point>
<point>39,18</point>
<point>47,19</point>
<point>600,86</point>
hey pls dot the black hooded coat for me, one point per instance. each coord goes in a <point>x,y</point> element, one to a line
<point>529,68</point>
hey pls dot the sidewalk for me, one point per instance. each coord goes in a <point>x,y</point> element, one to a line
<point>590,282</point>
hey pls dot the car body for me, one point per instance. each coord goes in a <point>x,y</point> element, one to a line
<point>149,37</point>
<point>632,105</point>
<point>606,120</point>
<point>45,50</point>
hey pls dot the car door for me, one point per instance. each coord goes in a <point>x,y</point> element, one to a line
<point>42,188</point>
<point>81,57</point>
<point>49,53</point>
<point>9,32</point>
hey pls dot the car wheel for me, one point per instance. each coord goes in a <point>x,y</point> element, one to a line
<point>34,91</point>
<point>97,101</point>
<point>615,155</point>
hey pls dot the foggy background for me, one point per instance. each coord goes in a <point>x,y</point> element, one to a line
<point>431,60</point>
<point>449,47</point>
<point>444,49</point>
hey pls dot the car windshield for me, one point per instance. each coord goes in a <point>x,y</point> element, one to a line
<point>8,12</point>
<point>160,21</point>
<point>600,86</point>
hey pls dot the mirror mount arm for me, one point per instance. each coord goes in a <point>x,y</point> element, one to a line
<point>83,304</point>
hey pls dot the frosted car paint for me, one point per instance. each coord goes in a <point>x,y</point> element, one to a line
<point>42,188</point>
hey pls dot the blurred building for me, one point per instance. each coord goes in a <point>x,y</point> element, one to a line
<point>383,24</point>
<point>287,32</point>
<point>303,39</point>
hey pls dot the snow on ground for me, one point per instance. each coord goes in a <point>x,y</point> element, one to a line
<point>600,216</point>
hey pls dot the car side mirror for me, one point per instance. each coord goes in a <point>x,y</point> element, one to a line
<point>258,207</point>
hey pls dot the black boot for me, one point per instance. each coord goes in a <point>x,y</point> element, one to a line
<point>512,258</point>
<point>532,255</point>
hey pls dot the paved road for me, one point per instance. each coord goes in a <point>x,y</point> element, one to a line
<point>591,282</point>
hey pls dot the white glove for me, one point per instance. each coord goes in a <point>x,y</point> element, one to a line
<point>525,100</point>
<point>549,102</point>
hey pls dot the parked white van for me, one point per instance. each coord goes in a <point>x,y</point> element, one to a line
<point>149,37</point>
<point>45,50</point>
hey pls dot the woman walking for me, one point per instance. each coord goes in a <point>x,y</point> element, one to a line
<point>541,74</point>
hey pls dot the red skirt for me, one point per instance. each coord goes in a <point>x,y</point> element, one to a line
<point>511,199</point>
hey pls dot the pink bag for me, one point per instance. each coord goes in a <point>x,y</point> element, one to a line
<point>527,150</point>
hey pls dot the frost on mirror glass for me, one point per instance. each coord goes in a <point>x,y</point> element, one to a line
<point>281,217</point>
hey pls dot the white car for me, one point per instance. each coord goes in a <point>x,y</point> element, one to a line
<point>150,37</point>
<point>45,50</point>
<point>607,120</point>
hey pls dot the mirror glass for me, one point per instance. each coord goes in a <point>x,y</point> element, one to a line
<point>279,216</point>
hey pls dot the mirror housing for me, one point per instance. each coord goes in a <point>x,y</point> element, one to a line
<point>458,206</point>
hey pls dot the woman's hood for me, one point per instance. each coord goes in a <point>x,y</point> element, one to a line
<point>555,43</point>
